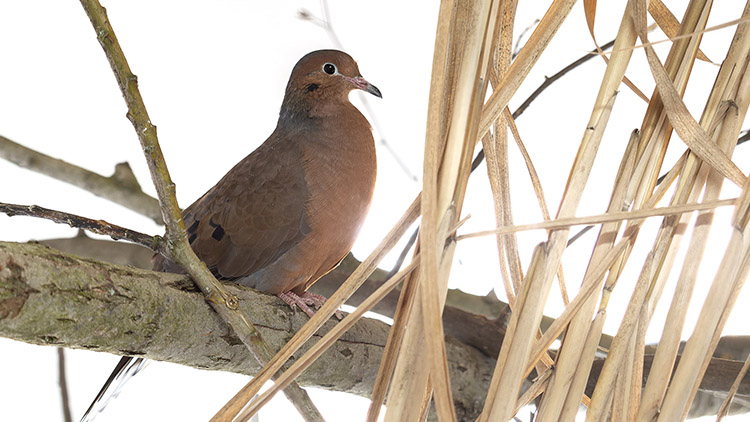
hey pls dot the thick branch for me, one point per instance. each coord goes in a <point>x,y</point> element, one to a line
<point>121,188</point>
<point>476,321</point>
<point>51,298</point>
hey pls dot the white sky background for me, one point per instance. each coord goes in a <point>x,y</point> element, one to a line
<point>212,75</point>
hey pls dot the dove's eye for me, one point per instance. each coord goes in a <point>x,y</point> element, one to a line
<point>329,68</point>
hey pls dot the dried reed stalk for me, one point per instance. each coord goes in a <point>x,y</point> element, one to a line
<point>496,154</point>
<point>465,35</point>
<point>727,83</point>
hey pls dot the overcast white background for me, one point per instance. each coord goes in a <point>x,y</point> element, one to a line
<point>212,75</point>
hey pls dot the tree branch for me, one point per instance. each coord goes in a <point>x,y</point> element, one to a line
<point>114,231</point>
<point>51,298</point>
<point>477,321</point>
<point>121,188</point>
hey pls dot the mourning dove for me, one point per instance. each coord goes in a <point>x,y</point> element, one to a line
<point>289,212</point>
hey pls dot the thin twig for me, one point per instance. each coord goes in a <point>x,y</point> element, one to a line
<point>177,247</point>
<point>518,46</point>
<point>404,254</point>
<point>552,79</point>
<point>744,137</point>
<point>579,235</point>
<point>538,91</point>
<point>114,231</point>
<point>62,380</point>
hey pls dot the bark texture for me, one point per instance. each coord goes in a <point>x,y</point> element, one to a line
<point>51,298</point>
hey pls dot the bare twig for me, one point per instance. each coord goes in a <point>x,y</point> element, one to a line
<point>64,398</point>
<point>552,79</point>
<point>404,253</point>
<point>518,46</point>
<point>538,91</point>
<point>116,232</point>
<point>744,137</point>
<point>121,188</point>
<point>177,247</point>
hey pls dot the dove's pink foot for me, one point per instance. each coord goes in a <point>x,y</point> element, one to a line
<point>304,302</point>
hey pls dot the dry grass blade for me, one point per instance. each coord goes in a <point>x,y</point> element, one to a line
<point>563,223</point>
<point>573,402</point>
<point>406,389</point>
<point>393,345</point>
<point>667,242</point>
<point>521,66</point>
<point>577,363</point>
<point>602,396</point>
<point>495,148</point>
<point>667,349</point>
<point>718,27</point>
<point>589,7</point>
<point>546,361</point>
<point>729,277</point>
<point>537,388</point>
<point>538,191</point>
<point>568,360</point>
<point>448,149</point>
<point>656,127</point>
<point>733,270</point>
<point>681,119</point>
<point>507,378</point>
<point>444,177</point>
<point>589,286</point>
<point>668,23</point>
<point>324,343</point>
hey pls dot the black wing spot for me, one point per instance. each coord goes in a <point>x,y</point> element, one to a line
<point>218,233</point>
<point>193,227</point>
<point>312,87</point>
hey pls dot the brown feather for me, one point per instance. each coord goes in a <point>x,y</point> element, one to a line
<point>290,211</point>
